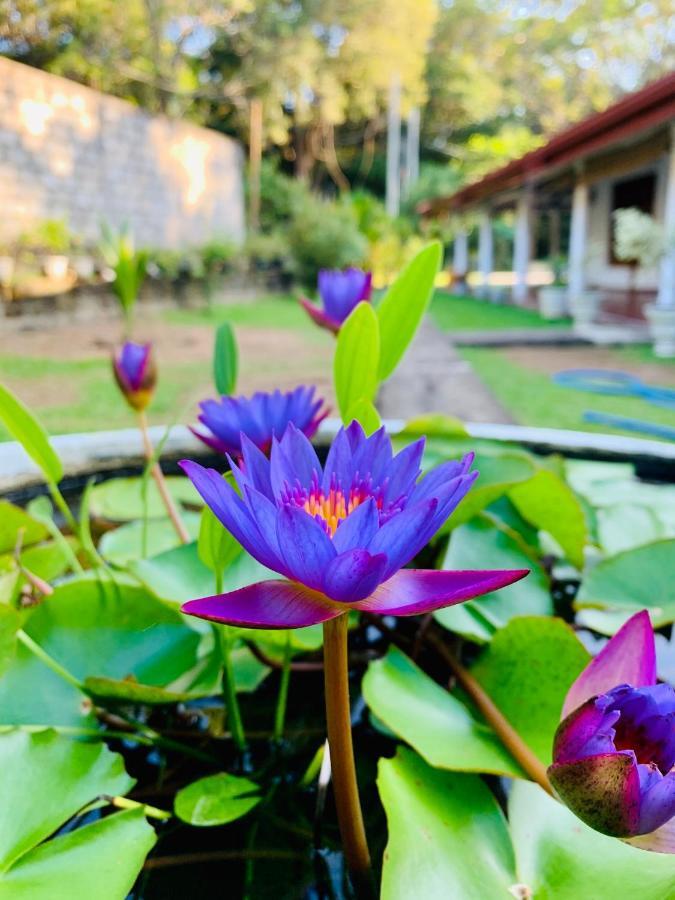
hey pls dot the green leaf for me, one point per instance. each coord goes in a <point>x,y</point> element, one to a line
<point>356,358</point>
<point>45,779</point>
<point>25,428</point>
<point>130,691</point>
<point>447,835</point>
<point>403,307</point>
<point>527,671</point>
<point>642,578</point>
<point>216,547</point>
<point>124,544</point>
<point>225,359</point>
<point>10,622</point>
<point>216,800</point>
<point>430,719</point>
<point>364,411</point>
<point>121,499</point>
<point>434,424</point>
<point>560,858</point>
<point>549,504</point>
<point>498,473</point>
<point>12,519</point>
<point>470,547</point>
<point>627,525</point>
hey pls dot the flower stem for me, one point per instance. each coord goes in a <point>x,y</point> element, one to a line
<point>338,719</point>
<point>523,755</point>
<point>282,699</point>
<point>224,641</point>
<point>158,475</point>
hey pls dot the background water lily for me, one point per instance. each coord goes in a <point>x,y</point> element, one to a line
<point>135,372</point>
<point>340,292</point>
<point>614,751</point>
<point>340,534</point>
<point>260,417</point>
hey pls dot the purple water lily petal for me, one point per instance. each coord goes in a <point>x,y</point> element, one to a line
<point>603,791</point>
<point>269,604</point>
<point>341,291</point>
<point>320,317</point>
<point>587,731</point>
<point>413,592</point>
<point>353,575</point>
<point>657,805</point>
<point>306,548</point>
<point>628,658</point>
<point>135,373</point>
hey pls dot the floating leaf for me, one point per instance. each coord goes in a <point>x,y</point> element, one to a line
<point>627,525</point>
<point>642,578</point>
<point>498,473</point>
<point>225,359</point>
<point>447,835</point>
<point>12,520</point>
<point>549,504</point>
<point>527,671</point>
<point>434,424</point>
<point>430,719</point>
<point>470,546</point>
<point>121,499</point>
<point>27,430</point>
<point>402,308</point>
<point>99,860</point>
<point>364,411</point>
<point>216,800</point>
<point>356,358</point>
<point>124,544</point>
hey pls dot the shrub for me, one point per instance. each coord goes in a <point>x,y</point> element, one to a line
<point>323,235</point>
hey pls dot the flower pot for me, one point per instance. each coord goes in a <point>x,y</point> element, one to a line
<point>85,267</point>
<point>584,308</point>
<point>553,302</point>
<point>7,266</point>
<point>662,327</point>
<point>55,266</point>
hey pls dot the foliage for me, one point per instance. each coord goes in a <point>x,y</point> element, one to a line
<point>638,237</point>
<point>128,265</point>
<point>49,236</point>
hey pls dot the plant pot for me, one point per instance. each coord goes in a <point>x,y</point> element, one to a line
<point>85,267</point>
<point>553,302</point>
<point>584,308</point>
<point>55,266</point>
<point>7,266</point>
<point>662,327</point>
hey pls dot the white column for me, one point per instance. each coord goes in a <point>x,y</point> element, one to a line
<point>460,254</point>
<point>485,251</point>
<point>578,242</point>
<point>666,295</point>
<point>393,190</point>
<point>412,149</point>
<point>521,246</point>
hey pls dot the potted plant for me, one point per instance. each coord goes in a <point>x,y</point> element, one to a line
<point>52,239</point>
<point>641,241</point>
<point>554,297</point>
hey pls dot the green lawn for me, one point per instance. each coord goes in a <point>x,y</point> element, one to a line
<point>454,313</point>
<point>278,311</point>
<point>533,399</point>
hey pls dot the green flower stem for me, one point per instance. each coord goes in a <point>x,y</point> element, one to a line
<point>338,720</point>
<point>158,475</point>
<point>282,699</point>
<point>48,660</point>
<point>519,750</point>
<point>150,811</point>
<point>223,640</point>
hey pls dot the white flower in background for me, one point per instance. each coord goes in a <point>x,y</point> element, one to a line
<point>638,237</point>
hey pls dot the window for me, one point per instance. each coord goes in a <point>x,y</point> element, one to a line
<point>636,192</point>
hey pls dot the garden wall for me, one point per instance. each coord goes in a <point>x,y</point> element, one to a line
<point>67,151</point>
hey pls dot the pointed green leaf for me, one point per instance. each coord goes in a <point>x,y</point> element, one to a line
<point>216,799</point>
<point>357,353</point>
<point>28,431</point>
<point>403,306</point>
<point>225,360</point>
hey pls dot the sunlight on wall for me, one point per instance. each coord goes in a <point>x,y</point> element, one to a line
<point>191,154</point>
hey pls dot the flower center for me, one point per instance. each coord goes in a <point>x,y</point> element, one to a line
<point>331,508</point>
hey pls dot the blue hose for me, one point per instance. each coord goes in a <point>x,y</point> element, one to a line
<point>659,431</point>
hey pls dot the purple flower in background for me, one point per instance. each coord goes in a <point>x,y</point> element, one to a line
<point>340,292</point>
<point>614,751</point>
<point>260,418</point>
<point>136,374</point>
<point>340,533</point>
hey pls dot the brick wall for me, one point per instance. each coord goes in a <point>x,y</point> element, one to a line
<point>68,151</point>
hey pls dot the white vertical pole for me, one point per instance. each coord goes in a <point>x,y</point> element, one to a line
<point>412,149</point>
<point>521,246</point>
<point>666,295</point>
<point>578,240</point>
<point>460,257</point>
<point>393,193</point>
<point>485,251</point>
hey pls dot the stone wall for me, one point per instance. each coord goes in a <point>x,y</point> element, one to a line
<point>67,151</point>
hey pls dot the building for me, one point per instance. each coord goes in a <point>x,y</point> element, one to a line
<point>621,157</point>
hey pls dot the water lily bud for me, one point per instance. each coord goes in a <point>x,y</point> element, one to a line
<point>340,292</point>
<point>135,373</point>
<point>613,755</point>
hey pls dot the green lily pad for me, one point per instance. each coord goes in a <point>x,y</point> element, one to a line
<point>447,835</point>
<point>438,725</point>
<point>641,578</point>
<point>548,503</point>
<point>624,526</point>
<point>121,499</point>
<point>12,519</point>
<point>124,544</point>
<point>216,800</point>
<point>100,860</point>
<point>499,472</point>
<point>469,547</point>
<point>527,671</point>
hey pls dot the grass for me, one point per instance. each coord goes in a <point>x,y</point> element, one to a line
<point>281,311</point>
<point>533,399</point>
<point>454,313</point>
